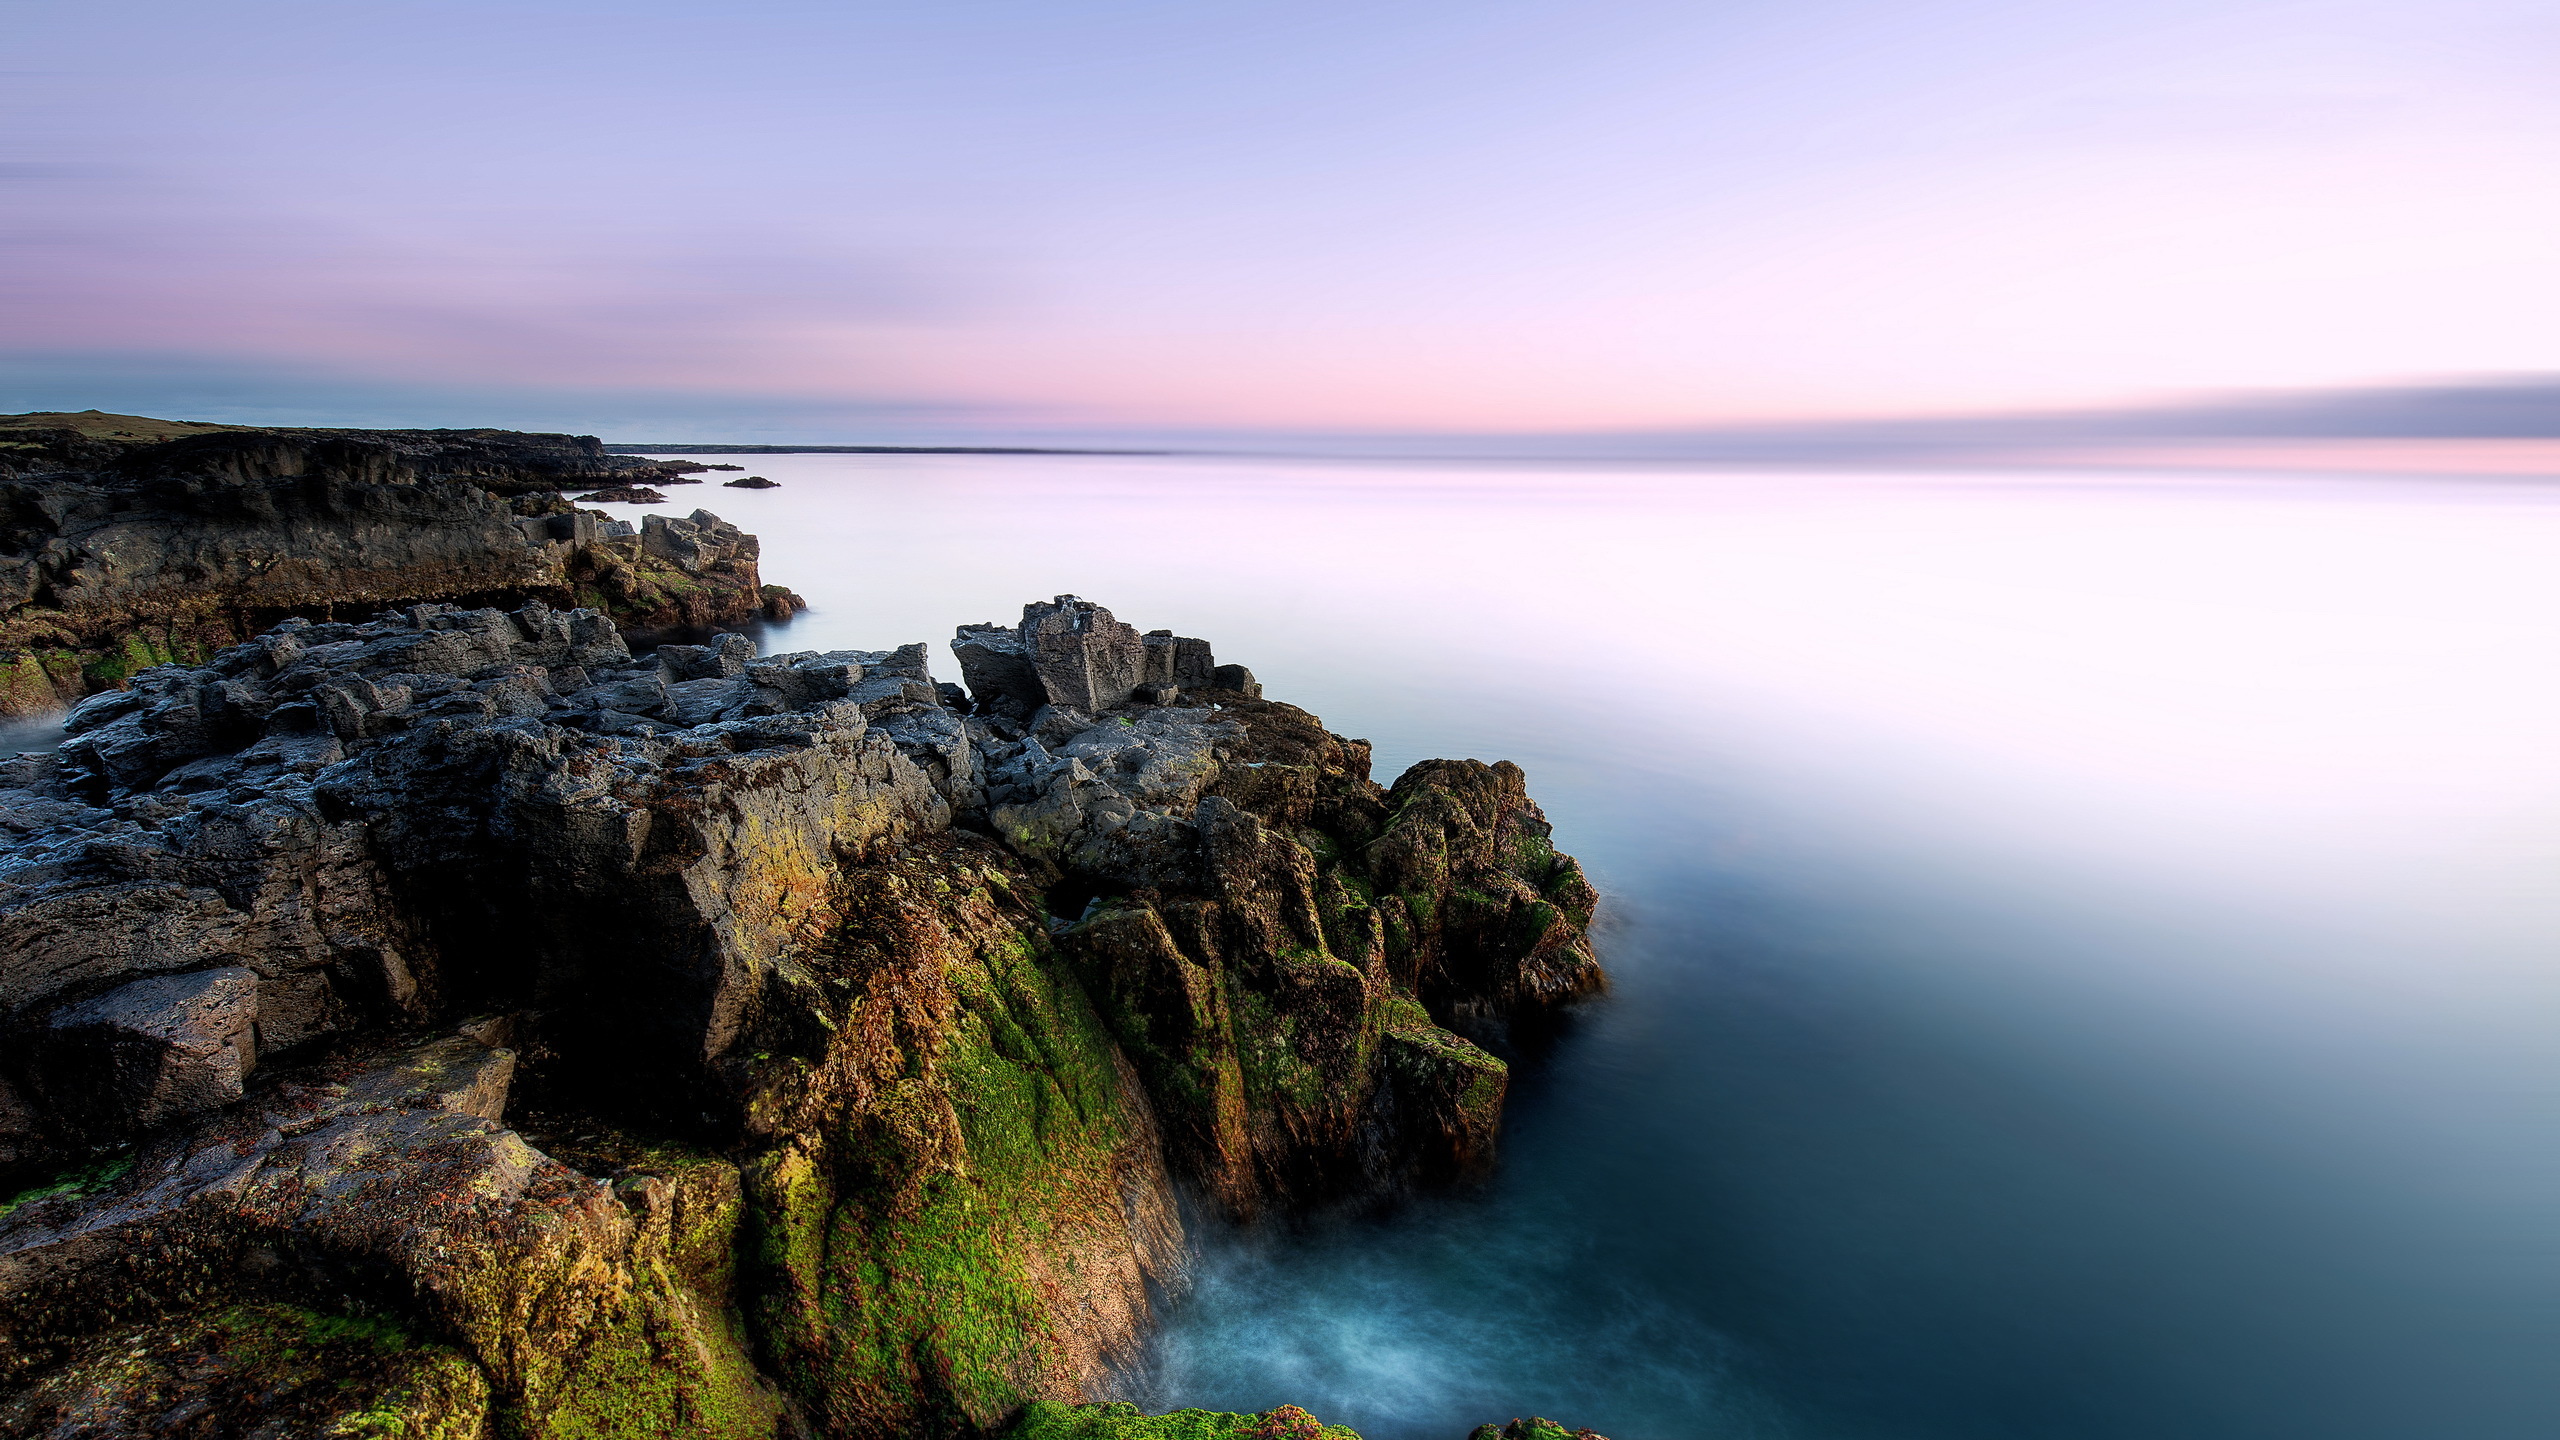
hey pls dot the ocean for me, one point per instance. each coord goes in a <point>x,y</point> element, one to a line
<point>2083,943</point>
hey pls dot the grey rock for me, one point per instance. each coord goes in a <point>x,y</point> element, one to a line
<point>725,658</point>
<point>1070,652</point>
<point>1179,661</point>
<point>1083,656</point>
<point>1115,800</point>
<point>373,818</point>
<point>695,542</point>
<point>995,669</point>
<point>152,1050</point>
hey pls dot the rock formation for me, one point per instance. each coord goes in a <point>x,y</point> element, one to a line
<point>1049,1421</point>
<point>455,1024</point>
<point>126,543</point>
<point>1072,653</point>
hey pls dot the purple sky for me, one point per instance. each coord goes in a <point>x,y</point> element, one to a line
<point>978,219</point>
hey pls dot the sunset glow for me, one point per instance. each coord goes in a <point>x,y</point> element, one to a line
<point>1485,218</point>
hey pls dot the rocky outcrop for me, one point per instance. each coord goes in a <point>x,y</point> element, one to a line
<point>1072,653</point>
<point>1122,1421</point>
<point>710,1042</point>
<point>120,550</point>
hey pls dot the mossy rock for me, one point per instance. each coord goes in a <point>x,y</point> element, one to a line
<point>1534,1428</point>
<point>290,1370</point>
<point>1045,1420</point>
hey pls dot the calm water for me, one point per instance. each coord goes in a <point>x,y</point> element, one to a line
<point>2084,947</point>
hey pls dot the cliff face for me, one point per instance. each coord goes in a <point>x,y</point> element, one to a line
<point>452,1024</point>
<point>124,545</point>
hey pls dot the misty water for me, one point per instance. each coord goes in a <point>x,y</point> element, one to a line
<point>2083,945</point>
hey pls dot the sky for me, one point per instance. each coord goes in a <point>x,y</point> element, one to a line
<point>972,219</point>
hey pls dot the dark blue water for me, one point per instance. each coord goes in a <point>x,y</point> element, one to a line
<point>2084,949</point>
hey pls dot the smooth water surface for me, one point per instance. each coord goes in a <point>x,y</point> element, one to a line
<point>2083,946</point>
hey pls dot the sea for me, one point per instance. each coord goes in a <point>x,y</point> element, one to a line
<point>2084,944</point>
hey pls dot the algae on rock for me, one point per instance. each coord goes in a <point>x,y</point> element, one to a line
<point>725,1044</point>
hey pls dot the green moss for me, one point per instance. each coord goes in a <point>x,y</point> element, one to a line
<point>1534,1429</point>
<point>927,1298</point>
<point>1401,1011</point>
<point>660,1367</point>
<point>88,1179</point>
<point>1047,1420</point>
<point>1266,1041</point>
<point>280,1368</point>
<point>439,1396</point>
<point>138,652</point>
<point>26,686</point>
<point>672,1356</point>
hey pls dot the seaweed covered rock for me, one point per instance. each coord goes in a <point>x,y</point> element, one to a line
<point>235,1368</point>
<point>1123,1421</point>
<point>1538,1428</point>
<point>710,1042</point>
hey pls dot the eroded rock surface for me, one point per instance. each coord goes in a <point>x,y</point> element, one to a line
<point>126,543</point>
<point>711,1042</point>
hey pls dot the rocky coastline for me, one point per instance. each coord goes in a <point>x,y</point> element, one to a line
<point>127,543</point>
<point>456,1022</point>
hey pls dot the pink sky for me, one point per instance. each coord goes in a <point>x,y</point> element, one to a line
<point>1497,216</point>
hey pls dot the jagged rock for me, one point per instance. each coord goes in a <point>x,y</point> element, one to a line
<point>1539,1428</point>
<point>1174,661</point>
<point>1070,652</point>
<point>152,1050</point>
<point>1084,657</point>
<point>395,1181</point>
<point>753,482</point>
<point>1121,1420</point>
<point>624,495</point>
<point>940,1007</point>
<point>780,602</point>
<point>140,542</point>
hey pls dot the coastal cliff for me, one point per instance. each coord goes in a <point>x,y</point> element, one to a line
<point>456,1024</point>
<point>127,542</point>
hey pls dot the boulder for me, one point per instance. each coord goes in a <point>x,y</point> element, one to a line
<point>997,672</point>
<point>151,1051</point>
<point>1083,656</point>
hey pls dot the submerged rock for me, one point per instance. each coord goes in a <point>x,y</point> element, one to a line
<point>705,1041</point>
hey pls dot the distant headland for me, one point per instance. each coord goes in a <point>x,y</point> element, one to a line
<point>638,449</point>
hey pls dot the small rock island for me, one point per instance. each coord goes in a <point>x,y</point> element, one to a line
<point>458,1022</point>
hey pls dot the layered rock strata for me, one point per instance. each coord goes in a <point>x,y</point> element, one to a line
<point>572,1042</point>
<point>128,545</point>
